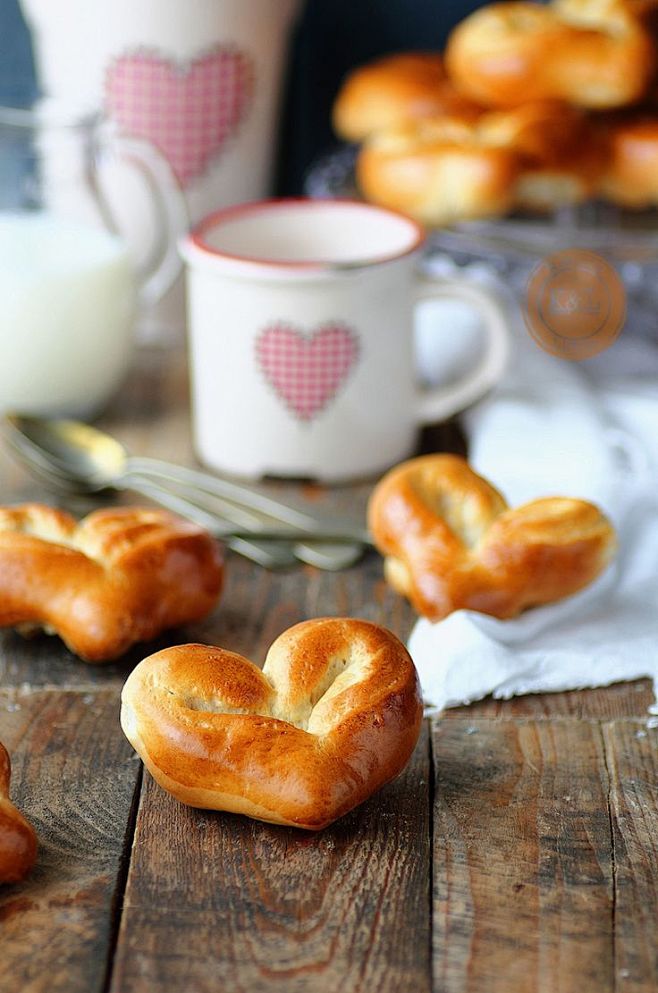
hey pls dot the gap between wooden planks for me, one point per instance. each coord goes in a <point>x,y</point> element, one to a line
<point>543,848</point>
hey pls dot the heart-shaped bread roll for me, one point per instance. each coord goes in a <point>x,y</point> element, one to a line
<point>334,714</point>
<point>451,542</point>
<point>117,577</point>
<point>18,842</point>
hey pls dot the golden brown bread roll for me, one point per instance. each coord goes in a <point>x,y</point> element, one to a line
<point>451,542</point>
<point>117,577</point>
<point>562,182</point>
<point>18,842</point>
<point>540,156</point>
<point>610,14</point>
<point>393,91</point>
<point>437,172</point>
<point>560,155</point>
<point>542,132</point>
<point>631,175</point>
<point>334,714</point>
<point>506,54</point>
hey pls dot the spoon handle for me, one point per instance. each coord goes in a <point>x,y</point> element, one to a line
<point>327,555</point>
<point>241,495</point>
<point>272,554</point>
<point>224,529</point>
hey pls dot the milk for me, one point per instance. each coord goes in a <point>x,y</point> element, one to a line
<point>67,304</point>
<point>200,75</point>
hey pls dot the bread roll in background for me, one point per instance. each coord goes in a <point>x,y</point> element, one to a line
<point>509,53</point>
<point>394,91</point>
<point>522,113</point>
<point>437,174</point>
<point>630,178</point>
<point>541,156</point>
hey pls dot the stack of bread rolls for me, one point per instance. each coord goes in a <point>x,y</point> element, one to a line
<point>531,107</point>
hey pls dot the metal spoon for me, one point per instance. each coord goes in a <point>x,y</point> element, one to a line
<point>274,549</point>
<point>73,453</point>
<point>271,554</point>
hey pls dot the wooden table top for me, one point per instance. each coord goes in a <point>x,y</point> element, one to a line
<point>517,852</point>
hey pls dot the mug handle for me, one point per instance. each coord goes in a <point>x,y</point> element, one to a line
<point>440,402</point>
<point>158,273</point>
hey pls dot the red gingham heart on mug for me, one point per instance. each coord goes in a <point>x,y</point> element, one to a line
<point>189,111</point>
<point>306,371</point>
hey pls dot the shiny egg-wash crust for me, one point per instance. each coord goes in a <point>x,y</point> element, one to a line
<point>18,842</point>
<point>117,577</point>
<point>451,542</point>
<point>590,55</point>
<point>470,162</point>
<point>395,91</point>
<point>334,714</point>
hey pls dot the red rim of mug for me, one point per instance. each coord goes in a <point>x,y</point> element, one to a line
<point>197,236</point>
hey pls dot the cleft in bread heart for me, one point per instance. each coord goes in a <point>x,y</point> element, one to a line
<point>334,714</point>
<point>188,110</point>
<point>451,542</point>
<point>307,371</point>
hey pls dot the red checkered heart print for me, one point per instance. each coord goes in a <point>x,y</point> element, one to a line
<point>189,111</point>
<point>306,371</point>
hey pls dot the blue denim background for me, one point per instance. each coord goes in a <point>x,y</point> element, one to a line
<point>16,72</point>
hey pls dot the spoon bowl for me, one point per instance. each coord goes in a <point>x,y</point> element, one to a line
<point>79,451</point>
<point>75,457</point>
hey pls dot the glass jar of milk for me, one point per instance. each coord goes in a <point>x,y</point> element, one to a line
<point>68,285</point>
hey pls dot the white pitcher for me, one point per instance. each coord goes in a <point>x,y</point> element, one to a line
<point>199,79</point>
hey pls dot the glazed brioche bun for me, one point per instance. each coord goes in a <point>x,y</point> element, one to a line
<point>547,189</point>
<point>509,53</point>
<point>453,169</point>
<point>394,91</point>
<point>494,54</point>
<point>561,156</point>
<point>334,714</point>
<point>631,174</point>
<point>118,576</point>
<point>511,118</point>
<point>18,841</point>
<point>606,14</point>
<point>437,173</point>
<point>541,131</point>
<point>450,541</point>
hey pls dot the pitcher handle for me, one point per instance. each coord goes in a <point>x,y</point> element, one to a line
<point>163,264</point>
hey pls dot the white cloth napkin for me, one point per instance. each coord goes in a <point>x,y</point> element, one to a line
<point>555,427</point>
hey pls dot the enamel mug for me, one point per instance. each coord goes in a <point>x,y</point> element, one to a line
<point>301,339</point>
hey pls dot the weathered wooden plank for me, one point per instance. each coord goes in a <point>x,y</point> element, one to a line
<point>632,756</point>
<point>75,777</point>
<point>216,901</point>
<point>606,703</point>
<point>522,858</point>
<point>44,661</point>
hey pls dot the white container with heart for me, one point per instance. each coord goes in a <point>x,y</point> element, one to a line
<point>199,79</point>
<point>301,339</point>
